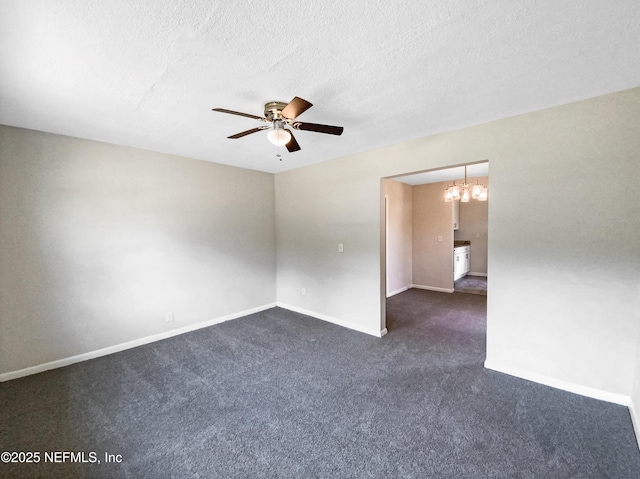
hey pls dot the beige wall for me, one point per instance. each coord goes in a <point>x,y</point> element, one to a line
<point>635,395</point>
<point>562,248</point>
<point>398,235</point>
<point>432,237</point>
<point>98,242</point>
<point>312,218</point>
<point>474,223</point>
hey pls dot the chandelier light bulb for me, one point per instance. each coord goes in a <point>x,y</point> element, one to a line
<point>448,197</point>
<point>465,195</point>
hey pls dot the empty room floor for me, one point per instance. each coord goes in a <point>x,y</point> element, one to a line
<point>471,284</point>
<point>280,394</point>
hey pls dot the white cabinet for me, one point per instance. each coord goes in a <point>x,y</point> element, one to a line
<point>456,214</point>
<point>457,266</point>
<point>461,260</point>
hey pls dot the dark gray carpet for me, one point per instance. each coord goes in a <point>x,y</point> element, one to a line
<point>278,394</point>
<point>471,285</point>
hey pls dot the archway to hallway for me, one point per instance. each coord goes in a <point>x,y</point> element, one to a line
<point>419,231</point>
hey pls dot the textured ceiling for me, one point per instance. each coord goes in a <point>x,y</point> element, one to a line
<point>146,73</point>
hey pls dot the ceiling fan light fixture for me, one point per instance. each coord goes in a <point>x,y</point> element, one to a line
<point>277,115</point>
<point>278,135</point>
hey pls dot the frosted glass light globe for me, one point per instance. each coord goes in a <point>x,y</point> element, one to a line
<point>279,136</point>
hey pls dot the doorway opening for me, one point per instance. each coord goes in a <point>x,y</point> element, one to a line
<point>431,244</point>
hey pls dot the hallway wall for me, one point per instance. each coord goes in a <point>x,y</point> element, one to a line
<point>399,248</point>
<point>432,238</point>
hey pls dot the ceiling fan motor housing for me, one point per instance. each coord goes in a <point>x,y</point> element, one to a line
<point>273,110</point>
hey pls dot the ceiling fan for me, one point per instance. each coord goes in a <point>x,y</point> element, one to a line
<point>279,114</point>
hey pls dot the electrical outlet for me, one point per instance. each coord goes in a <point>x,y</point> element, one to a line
<point>168,316</point>
<point>303,291</point>
<point>340,248</point>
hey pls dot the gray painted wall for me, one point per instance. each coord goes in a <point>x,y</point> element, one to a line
<point>98,242</point>
<point>562,245</point>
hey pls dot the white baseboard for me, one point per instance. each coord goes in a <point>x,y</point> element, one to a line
<point>128,345</point>
<point>594,393</point>
<point>635,420</point>
<point>433,288</point>
<point>483,275</point>
<point>398,291</point>
<point>345,324</point>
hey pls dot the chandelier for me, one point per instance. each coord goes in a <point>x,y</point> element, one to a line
<point>465,191</point>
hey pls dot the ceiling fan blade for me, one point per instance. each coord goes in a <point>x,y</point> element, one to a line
<point>293,144</point>
<point>331,130</point>
<point>231,112</point>
<point>248,132</point>
<point>296,107</point>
